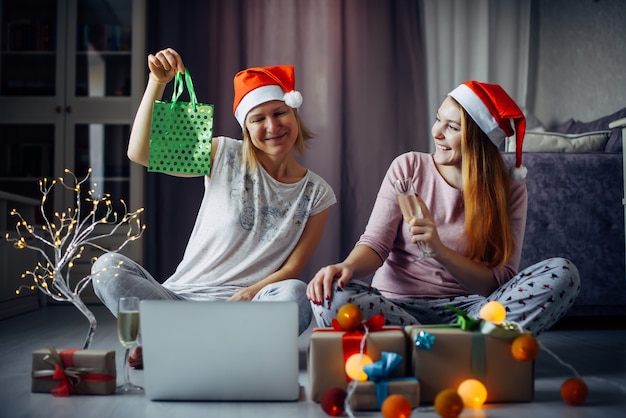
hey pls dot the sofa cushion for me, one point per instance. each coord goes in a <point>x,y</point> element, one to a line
<point>576,127</point>
<point>557,142</point>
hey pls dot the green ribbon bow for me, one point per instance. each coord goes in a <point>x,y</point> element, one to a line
<point>479,328</point>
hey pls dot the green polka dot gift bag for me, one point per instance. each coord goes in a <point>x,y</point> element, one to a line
<point>181,133</point>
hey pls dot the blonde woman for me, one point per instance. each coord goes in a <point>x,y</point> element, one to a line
<point>262,214</point>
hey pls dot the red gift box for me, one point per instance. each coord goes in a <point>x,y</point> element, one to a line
<point>72,371</point>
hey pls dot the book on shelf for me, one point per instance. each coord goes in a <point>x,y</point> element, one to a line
<point>28,35</point>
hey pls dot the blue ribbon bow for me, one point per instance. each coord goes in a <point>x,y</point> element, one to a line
<point>424,340</point>
<point>378,372</point>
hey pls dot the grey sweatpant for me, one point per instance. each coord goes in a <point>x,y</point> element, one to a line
<point>116,276</point>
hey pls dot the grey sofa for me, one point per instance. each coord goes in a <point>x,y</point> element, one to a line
<point>575,210</point>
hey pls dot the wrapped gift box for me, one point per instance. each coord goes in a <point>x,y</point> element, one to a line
<point>80,371</point>
<point>457,355</point>
<point>365,398</point>
<point>326,366</point>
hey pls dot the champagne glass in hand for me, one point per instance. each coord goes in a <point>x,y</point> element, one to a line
<point>410,209</point>
<point>128,332</point>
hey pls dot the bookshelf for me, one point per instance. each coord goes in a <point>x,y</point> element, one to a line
<point>72,73</point>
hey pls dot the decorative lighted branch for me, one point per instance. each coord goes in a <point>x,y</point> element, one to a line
<point>67,235</point>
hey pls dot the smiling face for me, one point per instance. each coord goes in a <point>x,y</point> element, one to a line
<point>273,128</point>
<point>447,134</point>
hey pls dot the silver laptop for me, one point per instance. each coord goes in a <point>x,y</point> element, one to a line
<point>220,351</point>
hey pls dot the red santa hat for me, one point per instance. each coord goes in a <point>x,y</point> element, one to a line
<point>259,85</point>
<point>493,110</point>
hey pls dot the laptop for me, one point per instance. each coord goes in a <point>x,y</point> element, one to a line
<point>220,351</point>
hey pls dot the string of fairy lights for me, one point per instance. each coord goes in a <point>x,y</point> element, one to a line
<point>449,402</point>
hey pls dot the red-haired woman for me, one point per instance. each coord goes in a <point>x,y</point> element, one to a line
<point>472,229</point>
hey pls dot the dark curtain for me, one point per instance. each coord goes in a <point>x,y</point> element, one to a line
<point>360,68</point>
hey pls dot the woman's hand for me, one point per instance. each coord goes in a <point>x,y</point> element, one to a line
<point>361,262</point>
<point>247,293</point>
<point>164,65</point>
<point>424,230</point>
<point>320,287</point>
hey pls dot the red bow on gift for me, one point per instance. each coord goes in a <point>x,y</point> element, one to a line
<point>375,323</point>
<point>64,382</point>
<point>60,361</point>
<point>352,339</point>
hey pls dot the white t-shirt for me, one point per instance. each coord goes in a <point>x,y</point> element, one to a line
<point>247,226</point>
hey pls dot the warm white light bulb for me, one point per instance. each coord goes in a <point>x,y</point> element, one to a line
<point>354,366</point>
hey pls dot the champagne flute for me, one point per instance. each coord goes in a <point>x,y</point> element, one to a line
<point>127,333</point>
<point>410,209</point>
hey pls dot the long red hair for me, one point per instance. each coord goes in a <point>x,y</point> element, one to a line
<point>486,194</point>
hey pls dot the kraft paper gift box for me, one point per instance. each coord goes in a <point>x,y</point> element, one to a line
<point>371,394</point>
<point>456,355</point>
<point>67,372</point>
<point>367,398</point>
<point>326,356</point>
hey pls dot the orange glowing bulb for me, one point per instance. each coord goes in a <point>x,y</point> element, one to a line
<point>396,406</point>
<point>349,316</point>
<point>473,393</point>
<point>525,347</point>
<point>574,391</point>
<point>448,404</point>
<point>493,311</point>
<point>354,366</point>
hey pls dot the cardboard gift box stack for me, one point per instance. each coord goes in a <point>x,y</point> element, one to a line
<point>452,356</point>
<point>329,348</point>
<point>67,372</point>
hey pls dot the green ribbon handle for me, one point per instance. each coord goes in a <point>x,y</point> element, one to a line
<point>179,86</point>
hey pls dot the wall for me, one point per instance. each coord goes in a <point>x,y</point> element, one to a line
<point>578,56</point>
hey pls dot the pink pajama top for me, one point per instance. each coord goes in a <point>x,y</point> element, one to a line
<point>400,277</point>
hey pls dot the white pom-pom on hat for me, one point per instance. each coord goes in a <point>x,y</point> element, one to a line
<point>519,173</point>
<point>293,99</point>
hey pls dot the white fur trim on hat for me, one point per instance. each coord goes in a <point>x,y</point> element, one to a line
<point>479,112</point>
<point>256,97</point>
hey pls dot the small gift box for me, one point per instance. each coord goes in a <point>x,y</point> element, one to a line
<point>329,349</point>
<point>66,372</point>
<point>371,394</point>
<point>366,397</point>
<point>444,357</point>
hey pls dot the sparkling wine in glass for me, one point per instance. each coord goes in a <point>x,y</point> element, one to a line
<point>410,209</point>
<point>127,333</point>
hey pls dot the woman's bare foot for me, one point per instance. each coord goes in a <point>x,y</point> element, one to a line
<point>135,359</point>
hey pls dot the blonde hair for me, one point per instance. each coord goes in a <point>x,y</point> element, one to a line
<point>486,194</point>
<point>249,151</point>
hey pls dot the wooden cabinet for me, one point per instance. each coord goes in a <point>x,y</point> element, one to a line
<point>12,264</point>
<point>72,73</point>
